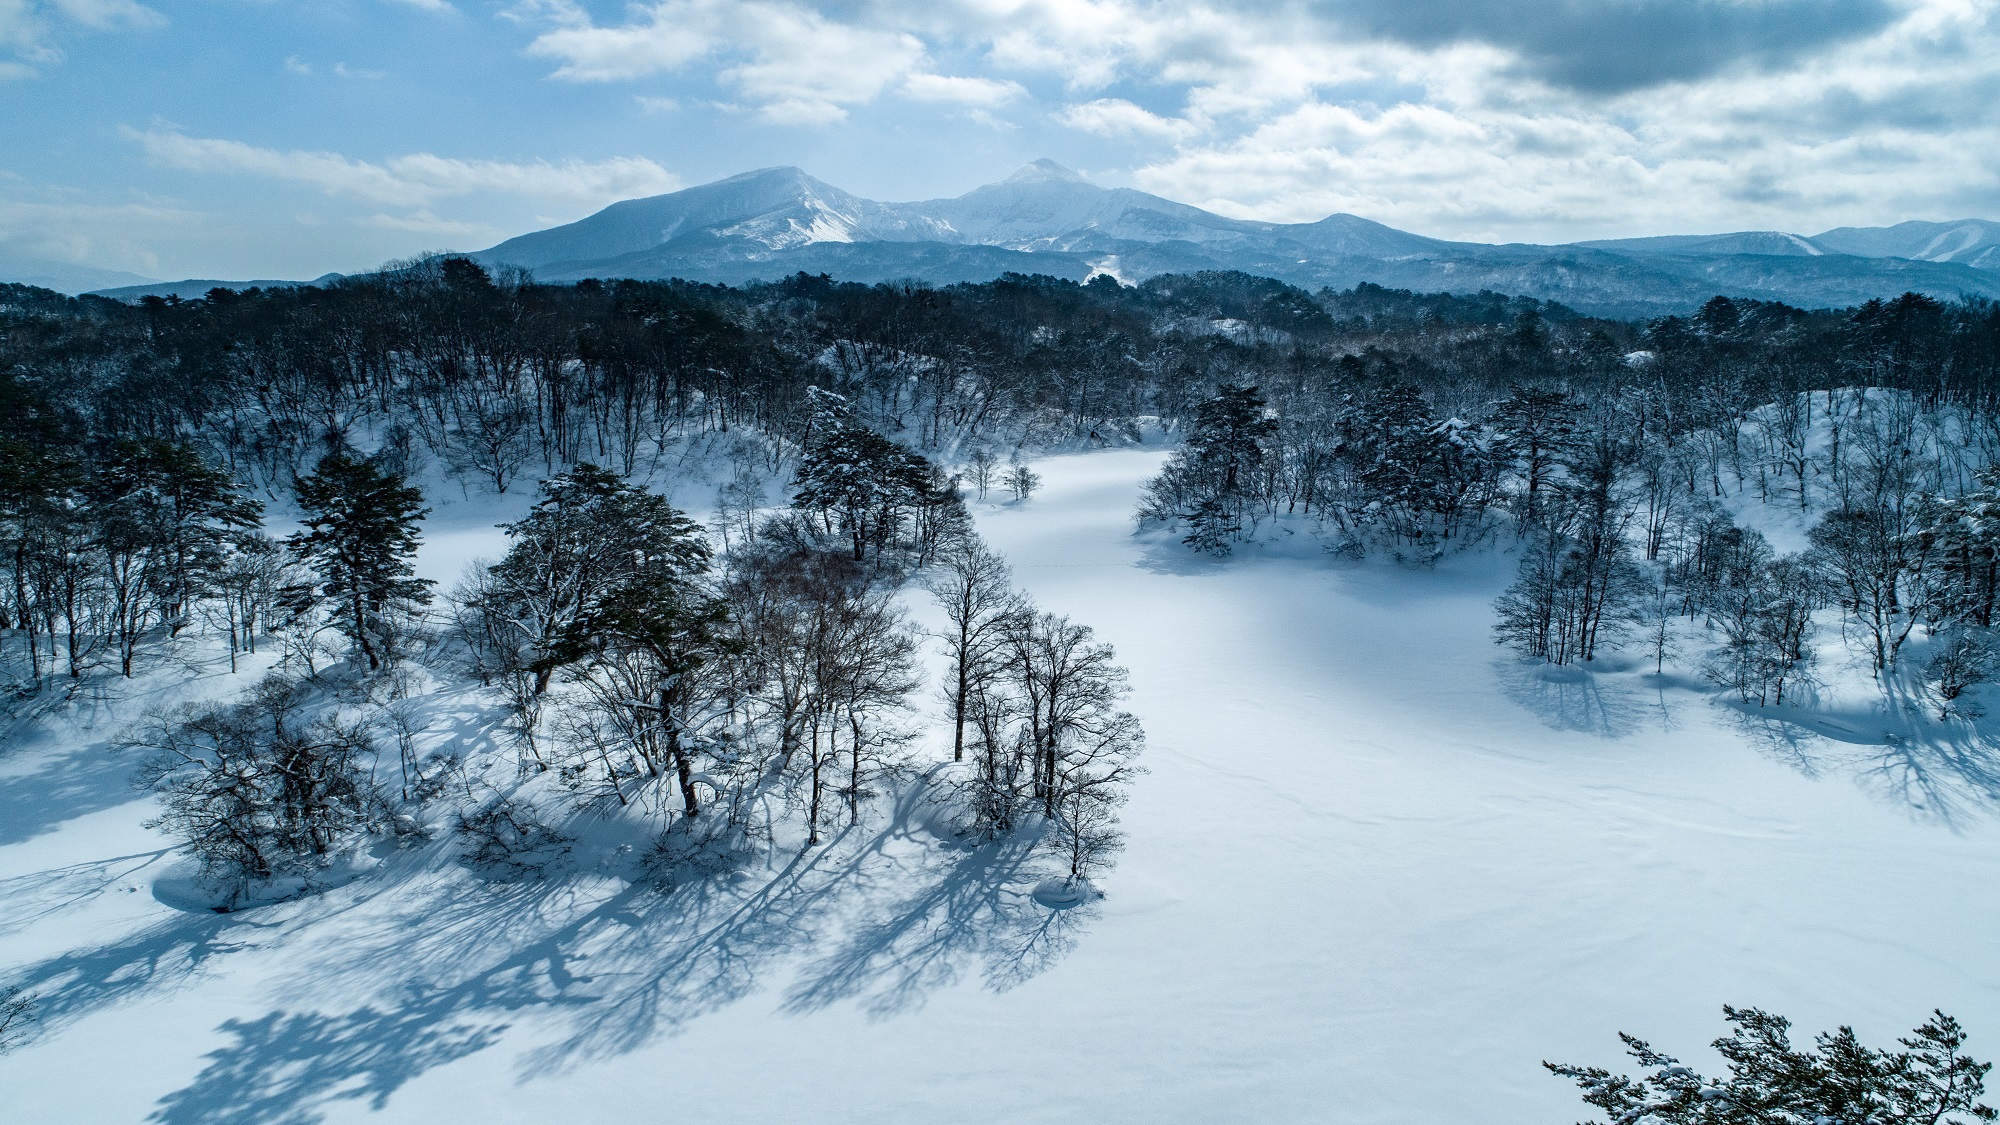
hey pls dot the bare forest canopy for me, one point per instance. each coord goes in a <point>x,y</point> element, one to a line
<point>497,379</point>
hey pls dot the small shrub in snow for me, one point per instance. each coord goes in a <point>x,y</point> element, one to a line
<point>511,839</point>
<point>261,787</point>
<point>1963,662</point>
<point>17,1011</point>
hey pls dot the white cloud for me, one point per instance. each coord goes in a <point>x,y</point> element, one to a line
<point>297,65</point>
<point>424,222</point>
<point>414,180</point>
<point>1269,110</point>
<point>1115,117</point>
<point>109,235</point>
<point>30,29</point>
<point>801,67</point>
<point>672,33</point>
<point>108,15</point>
<point>342,70</point>
<point>964,91</point>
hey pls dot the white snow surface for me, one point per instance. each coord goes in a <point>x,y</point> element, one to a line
<point>1377,873</point>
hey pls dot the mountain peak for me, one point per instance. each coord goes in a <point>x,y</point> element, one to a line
<point>1044,169</point>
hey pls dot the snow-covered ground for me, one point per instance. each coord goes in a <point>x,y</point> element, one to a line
<point>1377,873</point>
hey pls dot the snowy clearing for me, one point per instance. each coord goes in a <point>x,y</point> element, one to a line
<point>1379,870</point>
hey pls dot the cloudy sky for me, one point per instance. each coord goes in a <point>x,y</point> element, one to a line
<point>280,138</point>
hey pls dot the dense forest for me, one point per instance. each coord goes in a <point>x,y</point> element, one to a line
<point>713,670</point>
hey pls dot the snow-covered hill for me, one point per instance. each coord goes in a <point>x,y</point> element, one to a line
<point>1974,242</point>
<point>1377,873</point>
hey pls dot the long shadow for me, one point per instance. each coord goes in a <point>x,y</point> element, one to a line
<point>175,953</point>
<point>433,965</point>
<point>1947,772</point>
<point>285,1067</point>
<point>975,907</point>
<point>64,785</point>
<point>67,733</point>
<point>37,895</point>
<point>1570,699</point>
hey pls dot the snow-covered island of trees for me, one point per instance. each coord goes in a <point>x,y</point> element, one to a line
<point>439,696</point>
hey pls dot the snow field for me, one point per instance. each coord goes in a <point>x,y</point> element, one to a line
<point>1378,871</point>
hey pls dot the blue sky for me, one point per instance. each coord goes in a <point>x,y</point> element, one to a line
<point>265,138</point>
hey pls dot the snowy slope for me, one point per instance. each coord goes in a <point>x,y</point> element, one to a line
<point>1377,873</point>
<point>1975,242</point>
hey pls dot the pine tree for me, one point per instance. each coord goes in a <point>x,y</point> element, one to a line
<point>856,476</point>
<point>360,538</point>
<point>1536,427</point>
<point>1837,1082</point>
<point>586,537</point>
<point>1212,481</point>
<point>649,630</point>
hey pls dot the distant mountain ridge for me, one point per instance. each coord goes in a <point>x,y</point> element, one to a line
<point>1046,219</point>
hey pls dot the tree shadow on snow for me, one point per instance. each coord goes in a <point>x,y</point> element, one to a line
<point>1944,771</point>
<point>38,894</point>
<point>925,928</point>
<point>64,786</point>
<point>284,1068</point>
<point>1568,698</point>
<point>432,964</point>
<point>1162,552</point>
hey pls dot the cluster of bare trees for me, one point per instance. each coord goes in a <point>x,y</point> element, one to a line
<point>145,538</point>
<point>1900,543</point>
<point>1033,703</point>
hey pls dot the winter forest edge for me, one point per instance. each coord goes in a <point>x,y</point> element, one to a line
<point>809,649</point>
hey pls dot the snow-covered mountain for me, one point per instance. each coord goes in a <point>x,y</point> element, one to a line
<point>779,214</point>
<point>1047,219</point>
<point>769,210</point>
<point>1973,242</point>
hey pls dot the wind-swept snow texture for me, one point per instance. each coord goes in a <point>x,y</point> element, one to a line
<point>1377,873</point>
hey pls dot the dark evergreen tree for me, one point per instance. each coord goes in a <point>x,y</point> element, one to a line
<point>861,483</point>
<point>587,536</point>
<point>1535,427</point>
<point>360,538</point>
<point>649,631</point>
<point>1212,482</point>
<point>1839,1080</point>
